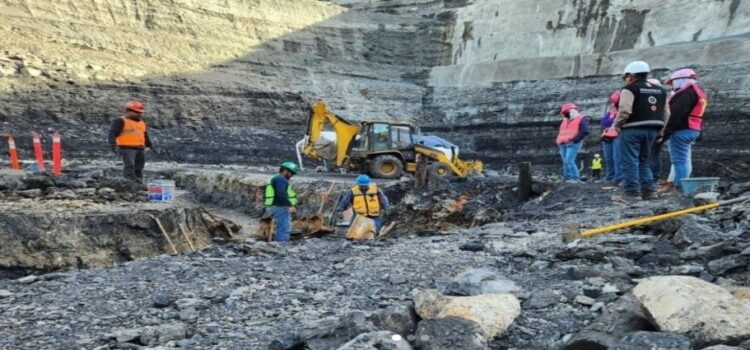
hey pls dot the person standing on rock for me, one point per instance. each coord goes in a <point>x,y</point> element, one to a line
<point>128,137</point>
<point>281,200</point>
<point>687,106</point>
<point>642,113</point>
<point>366,199</point>
<point>573,129</point>
<point>610,142</point>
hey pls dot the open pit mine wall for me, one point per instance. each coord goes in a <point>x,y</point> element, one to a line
<point>515,62</point>
<point>223,81</point>
<point>232,81</point>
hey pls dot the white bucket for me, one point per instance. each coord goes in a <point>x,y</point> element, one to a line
<point>160,190</point>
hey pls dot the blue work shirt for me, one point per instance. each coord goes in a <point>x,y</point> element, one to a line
<point>280,198</point>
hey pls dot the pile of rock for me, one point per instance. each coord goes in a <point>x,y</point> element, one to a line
<point>475,307</point>
<point>671,312</point>
<point>92,186</point>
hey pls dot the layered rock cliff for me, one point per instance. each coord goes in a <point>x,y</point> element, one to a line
<point>232,81</point>
<point>223,81</point>
<point>514,63</point>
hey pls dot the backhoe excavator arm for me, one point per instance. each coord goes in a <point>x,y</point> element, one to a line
<point>344,130</point>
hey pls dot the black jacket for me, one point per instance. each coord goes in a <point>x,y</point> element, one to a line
<point>648,105</point>
<point>681,104</point>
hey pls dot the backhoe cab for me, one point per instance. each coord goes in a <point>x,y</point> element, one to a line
<point>381,149</point>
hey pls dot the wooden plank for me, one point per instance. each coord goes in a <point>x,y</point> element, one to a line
<point>164,232</point>
<point>187,238</point>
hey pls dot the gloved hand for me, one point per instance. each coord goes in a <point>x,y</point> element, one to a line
<point>292,210</point>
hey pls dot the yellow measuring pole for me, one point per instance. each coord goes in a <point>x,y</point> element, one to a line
<point>660,217</point>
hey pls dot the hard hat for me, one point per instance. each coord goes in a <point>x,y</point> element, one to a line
<point>597,155</point>
<point>291,166</point>
<point>636,67</point>
<point>134,106</point>
<point>615,97</point>
<point>363,180</point>
<point>685,73</point>
<point>653,81</point>
<point>566,107</point>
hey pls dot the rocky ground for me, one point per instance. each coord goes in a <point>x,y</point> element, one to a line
<point>511,283</point>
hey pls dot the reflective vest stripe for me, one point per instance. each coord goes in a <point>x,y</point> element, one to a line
<point>568,130</point>
<point>133,133</point>
<point>270,194</point>
<point>368,203</point>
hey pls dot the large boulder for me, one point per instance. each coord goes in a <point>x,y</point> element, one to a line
<point>450,333</point>
<point>653,341</point>
<point>480,281</point>
<point>399,319</point>
<point>741,293</point>
<point>492,312</point>
<point>381,340</point>
<point>707,313</point>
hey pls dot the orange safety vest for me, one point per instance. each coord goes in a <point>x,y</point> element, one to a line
<point>568,130</point>
<point>133,133</point>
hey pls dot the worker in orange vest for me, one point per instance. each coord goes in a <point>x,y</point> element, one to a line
<point>128,137</point>
<point>573,129</point>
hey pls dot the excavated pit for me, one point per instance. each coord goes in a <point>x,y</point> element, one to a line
<point>439,208</point>
<point>89,219</point>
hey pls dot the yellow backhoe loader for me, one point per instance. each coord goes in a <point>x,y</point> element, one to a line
<point>381,149</point>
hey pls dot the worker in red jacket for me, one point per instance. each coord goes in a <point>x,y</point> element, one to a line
<point>573,129</point>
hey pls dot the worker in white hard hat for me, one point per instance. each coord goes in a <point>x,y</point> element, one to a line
<point>642,114</point>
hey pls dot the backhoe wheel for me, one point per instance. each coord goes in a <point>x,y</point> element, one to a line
<point>386,167</point>
<point>440,170</point>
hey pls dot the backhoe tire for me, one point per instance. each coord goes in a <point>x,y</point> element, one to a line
<point>386,167</point>
<point>439,170</point>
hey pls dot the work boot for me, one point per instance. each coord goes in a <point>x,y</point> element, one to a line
<point>627,198</point>
<point>649,195</point>
<point>665,187</point>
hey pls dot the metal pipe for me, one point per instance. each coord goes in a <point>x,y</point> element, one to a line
<point>655,218</point>
<point>298,148</point>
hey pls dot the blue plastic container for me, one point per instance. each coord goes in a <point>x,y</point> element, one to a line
<point>691,186</point>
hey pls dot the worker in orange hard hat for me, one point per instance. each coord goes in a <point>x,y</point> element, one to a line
<point>128,137</point>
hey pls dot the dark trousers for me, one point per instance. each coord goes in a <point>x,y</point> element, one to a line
<point>133,161</point>
<point>596,173</point>
<point>634,156</point>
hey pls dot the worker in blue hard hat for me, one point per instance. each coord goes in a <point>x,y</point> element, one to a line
<point>365,198</point>
<point>281,200</point>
